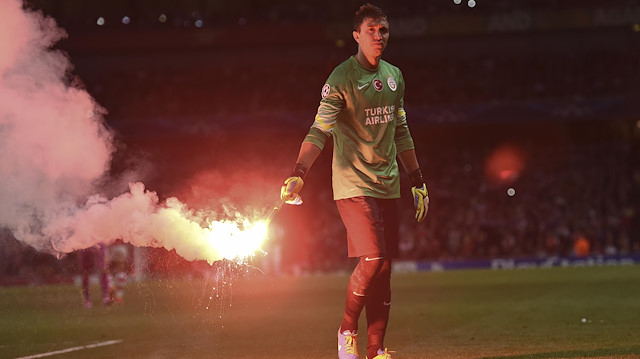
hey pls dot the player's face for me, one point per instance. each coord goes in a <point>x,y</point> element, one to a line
<point>373,36</point>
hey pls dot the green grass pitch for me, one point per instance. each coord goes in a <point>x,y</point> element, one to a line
<point>591,312</point>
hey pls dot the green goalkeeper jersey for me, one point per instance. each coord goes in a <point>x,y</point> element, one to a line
<point>363,110</point>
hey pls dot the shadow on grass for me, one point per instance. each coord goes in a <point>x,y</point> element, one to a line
<point>605,352</point>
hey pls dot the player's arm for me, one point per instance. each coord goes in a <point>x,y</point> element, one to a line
<point>330,105</point>
<point>290,191</point>
<point>308,154</point>
<point>409,160</point>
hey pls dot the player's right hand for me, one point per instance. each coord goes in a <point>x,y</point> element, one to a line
<point>290,191</point>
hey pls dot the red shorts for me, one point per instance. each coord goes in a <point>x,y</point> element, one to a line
<point>372,226</point>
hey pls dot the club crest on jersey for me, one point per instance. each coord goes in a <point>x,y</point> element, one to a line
<point>392,83</point>
<point>325,90</point>
<point>377,84</point>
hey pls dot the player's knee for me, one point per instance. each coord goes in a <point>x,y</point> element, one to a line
<point>372,264</point>
<point>385,268</point>
<point>364,274</point>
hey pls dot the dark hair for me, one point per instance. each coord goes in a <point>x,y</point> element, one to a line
<point>367,11</point>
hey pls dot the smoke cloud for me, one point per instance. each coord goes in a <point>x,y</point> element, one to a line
<point>54,148</point>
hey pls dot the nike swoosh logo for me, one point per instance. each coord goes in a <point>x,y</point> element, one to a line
<point>371,259</point>
<point>360,87</point>
<point>386,303</point>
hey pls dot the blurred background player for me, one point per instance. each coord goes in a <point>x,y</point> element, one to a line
<point>90,260</point>
<point>362,107</point>
<point>119,268</point>
<point>111,264</point>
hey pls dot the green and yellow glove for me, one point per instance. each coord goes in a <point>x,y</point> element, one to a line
<point>290,191</point>
<point>420,195</point>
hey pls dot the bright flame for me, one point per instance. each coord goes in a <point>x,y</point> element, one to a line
<point>231,241</point>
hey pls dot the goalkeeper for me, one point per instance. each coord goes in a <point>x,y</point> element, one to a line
<point>362,107</point>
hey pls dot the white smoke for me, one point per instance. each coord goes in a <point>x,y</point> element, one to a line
<point>53,142</point>
<point>54,147</point>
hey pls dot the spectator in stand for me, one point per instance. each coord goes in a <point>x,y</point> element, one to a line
<point>581,245</point>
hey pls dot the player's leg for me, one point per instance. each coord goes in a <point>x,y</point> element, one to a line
<point>120,282</point>
<point>85,261</point>
<point>363,220</point>
<point>105,280</point>
<point>379,304</point>
<point>360,289</point>
<point>377,310</point>
<point>119,255</point>
<point>358,292</point>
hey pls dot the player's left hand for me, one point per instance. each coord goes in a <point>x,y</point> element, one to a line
<point>290,191</point>
<point>420,201</point>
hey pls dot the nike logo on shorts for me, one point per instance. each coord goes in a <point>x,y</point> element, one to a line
<point>371,259</point>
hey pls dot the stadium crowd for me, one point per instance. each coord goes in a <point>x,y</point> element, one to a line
<point>227,90</point>
<point>480,209</point>
<point>214,13</point>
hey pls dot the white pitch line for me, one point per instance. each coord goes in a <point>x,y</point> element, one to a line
<point>62,351</point>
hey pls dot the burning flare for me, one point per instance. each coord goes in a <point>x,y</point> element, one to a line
<point>231,242</point>
<point>138,218</point>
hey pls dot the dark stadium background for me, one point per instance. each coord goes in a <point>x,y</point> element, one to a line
<point>540,96</point>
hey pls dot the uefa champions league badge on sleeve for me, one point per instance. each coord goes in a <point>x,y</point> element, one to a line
<point>325,90</point>
<point>391,83</point>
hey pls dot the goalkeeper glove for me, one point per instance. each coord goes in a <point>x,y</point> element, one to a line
<point>420,194</point>
<point>290,191</point>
